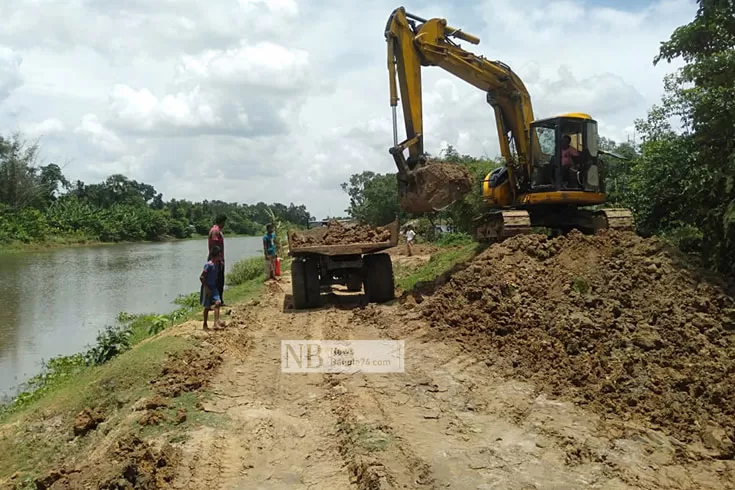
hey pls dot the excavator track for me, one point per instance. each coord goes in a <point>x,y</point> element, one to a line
<point>616,219</point>
<point>503,224</point>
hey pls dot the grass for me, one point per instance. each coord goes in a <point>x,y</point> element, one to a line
<point>36,427</point>
<point>439,264</point>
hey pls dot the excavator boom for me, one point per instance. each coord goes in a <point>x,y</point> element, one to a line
<point>414,42</point>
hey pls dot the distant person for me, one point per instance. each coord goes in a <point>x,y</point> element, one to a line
<point>270,252</point>
<point>410,236</point>
<point>216,238</point>
<point>567,163</point>
<point>209,294</point>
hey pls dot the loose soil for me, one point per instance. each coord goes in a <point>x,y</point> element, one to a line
<point>340,234</point>
<point>613,321</point>
<point>129,463</point>
<point>435,186</point>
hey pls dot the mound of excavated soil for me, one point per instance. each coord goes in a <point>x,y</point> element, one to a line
<point>615,321</point>
<point>340,234</point>
<point>185,371</point>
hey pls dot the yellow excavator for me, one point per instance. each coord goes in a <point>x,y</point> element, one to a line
<point>553,176</point>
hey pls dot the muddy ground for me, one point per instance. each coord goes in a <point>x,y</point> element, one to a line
<point>337,233</point>
<point>494,395</point>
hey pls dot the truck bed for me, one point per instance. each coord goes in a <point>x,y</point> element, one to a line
<point>344,248</point>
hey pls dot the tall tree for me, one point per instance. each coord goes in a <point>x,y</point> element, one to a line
<point>702,94</point>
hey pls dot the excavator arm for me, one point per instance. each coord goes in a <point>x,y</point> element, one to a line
<point>414,42</point>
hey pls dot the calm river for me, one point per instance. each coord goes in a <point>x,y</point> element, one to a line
<point>54,303</point>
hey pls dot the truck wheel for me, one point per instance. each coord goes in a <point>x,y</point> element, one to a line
<point>354,282</point>
<point>313,290</point>
<point>379,286</point>
<point>298,285</point>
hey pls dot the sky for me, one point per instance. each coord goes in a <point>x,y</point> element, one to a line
<point>283,100</point>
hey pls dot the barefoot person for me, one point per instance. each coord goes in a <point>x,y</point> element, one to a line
<point>209,295</point>
<point>270,252</point>
<point>216,238</point>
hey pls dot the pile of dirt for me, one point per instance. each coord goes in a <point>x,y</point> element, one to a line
<point>87,420</point>
<point>185,371</point>
<point>337,233</point>
<point>130,463</point>
<point>614,321</point>
<point>435,186</point>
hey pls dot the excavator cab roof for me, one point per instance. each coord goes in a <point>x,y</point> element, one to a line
<point>568,115</point>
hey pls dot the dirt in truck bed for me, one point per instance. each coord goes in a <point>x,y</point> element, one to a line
<point>614,321</point>
<point>341,234</point>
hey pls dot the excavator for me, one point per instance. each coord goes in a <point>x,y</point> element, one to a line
<point>553,175</point>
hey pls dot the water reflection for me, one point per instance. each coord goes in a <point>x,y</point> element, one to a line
<point>54,303</point>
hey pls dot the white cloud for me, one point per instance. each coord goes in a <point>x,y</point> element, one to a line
<point>100,136</point>
<point>264,65</point>
<point>284,99</point>
<point>10,76</point>
<point>47,127</point>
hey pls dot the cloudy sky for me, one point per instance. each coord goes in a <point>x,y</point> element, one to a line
<point>282,100</point>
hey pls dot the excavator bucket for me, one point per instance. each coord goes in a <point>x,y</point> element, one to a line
<point>433,186</point>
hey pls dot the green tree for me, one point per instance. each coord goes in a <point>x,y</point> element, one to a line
<point>702,95</point>
<point>373,198</point>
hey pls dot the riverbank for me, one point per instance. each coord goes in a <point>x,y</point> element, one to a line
<point>45,428</point>
<point>59,242</point>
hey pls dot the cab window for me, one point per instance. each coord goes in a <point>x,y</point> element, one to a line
<point>545,148</point>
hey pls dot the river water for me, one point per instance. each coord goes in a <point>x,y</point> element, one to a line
<point>54,302</point>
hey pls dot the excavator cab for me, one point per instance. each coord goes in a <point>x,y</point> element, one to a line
<point>564,157</point>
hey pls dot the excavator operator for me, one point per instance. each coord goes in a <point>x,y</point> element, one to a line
<point>568,154</point>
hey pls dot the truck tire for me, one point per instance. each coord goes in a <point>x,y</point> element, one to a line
<point>379,286</point>
<point>298,285</point>
<point>354,282</point>
<point>313,289</point>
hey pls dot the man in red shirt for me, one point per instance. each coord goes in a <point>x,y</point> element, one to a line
<point>217,238</point>
<point>567,163</point>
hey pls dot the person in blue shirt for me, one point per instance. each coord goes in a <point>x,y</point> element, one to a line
<point>209,294</point>
<point>270,252</point>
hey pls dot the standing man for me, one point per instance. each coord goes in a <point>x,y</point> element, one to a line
<point>269,249</point>
<point>217,239</point>
<point>410,235</point>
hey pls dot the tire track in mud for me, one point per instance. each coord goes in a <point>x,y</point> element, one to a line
<point>278,434</point>
<point>378,456</point>
<point>449,421</point>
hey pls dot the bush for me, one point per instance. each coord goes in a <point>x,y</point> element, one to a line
<point>448,239</point>
<point>246,270</point>
<point>111,342</point>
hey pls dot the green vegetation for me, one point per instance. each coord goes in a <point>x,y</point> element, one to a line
<point>38,205</point>
<point>440,264</point>
<point>678,179</point>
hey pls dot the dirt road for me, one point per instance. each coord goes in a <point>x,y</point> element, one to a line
<point>449,421</point>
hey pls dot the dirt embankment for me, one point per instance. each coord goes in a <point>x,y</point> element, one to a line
<point>341,234</point>
<point>614,321</point>
<point>129,461</point>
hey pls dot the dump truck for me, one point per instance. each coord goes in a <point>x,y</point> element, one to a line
<point>354,265</point>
